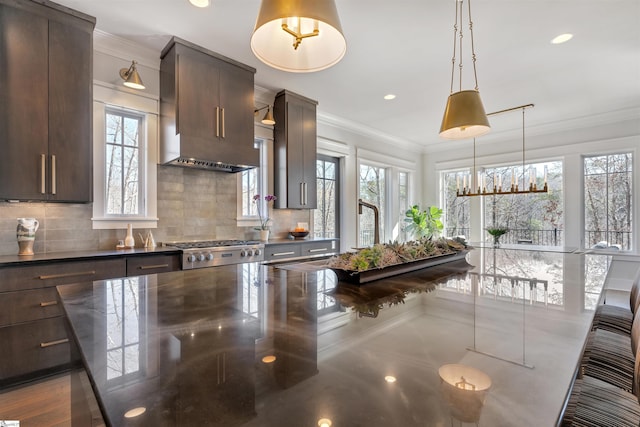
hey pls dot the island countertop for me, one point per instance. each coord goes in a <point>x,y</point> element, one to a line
<point>255,345</point>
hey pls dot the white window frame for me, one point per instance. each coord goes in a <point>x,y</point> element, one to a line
<point>264,185</point>
<point>108,96</point>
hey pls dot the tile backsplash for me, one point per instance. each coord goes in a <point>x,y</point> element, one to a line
<point>192,204</point>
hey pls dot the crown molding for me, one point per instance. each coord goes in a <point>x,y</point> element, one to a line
<point>120,47</point>
<point>373,134</point>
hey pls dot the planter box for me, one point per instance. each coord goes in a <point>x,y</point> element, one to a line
<point>361,277</point>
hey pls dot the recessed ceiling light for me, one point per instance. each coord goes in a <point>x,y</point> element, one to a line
<point>200,3</point>
<point>390,379</point>
<point>389,96</point>
<point>562,38</point>
<point>324,422</point>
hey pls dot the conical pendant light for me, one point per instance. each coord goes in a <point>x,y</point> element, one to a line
<point>299,36</point>
<point>464,115</point>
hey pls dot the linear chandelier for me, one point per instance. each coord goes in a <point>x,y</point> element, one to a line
<point>479,187</point>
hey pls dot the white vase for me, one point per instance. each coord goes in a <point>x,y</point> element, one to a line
<point>129,241</point>
<point>264,235</point>
<point>26,235</point>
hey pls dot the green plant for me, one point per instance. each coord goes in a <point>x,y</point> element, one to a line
<point>497,231</point>
<point>424,223</point>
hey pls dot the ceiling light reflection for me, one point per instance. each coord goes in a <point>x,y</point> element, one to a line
<point>390,379</point>
<point>324,422</point>
<point>389,97</point>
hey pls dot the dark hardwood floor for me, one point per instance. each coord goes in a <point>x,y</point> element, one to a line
<point>45,403</point>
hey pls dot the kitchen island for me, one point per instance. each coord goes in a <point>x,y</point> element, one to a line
<point>255,345</point>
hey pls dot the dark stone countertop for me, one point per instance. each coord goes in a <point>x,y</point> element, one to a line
<point>15,260</point>
<point>192,347</point>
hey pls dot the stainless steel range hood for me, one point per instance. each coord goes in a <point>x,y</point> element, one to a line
<point>206,110</point>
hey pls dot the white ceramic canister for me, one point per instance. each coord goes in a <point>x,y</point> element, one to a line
<point>26,234</point>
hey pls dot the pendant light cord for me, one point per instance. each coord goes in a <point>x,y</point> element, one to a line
<point>458,38</point>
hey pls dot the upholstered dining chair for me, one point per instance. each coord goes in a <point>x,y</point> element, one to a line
<point>615,318</point>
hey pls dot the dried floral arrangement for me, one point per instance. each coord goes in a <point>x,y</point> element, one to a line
<point>393,253</point>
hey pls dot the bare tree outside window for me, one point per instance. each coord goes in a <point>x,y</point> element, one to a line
<point>123,163</point>
<point>326,217</point>
<point>608,200</point>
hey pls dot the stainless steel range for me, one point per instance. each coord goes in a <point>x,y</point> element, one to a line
<point>212,253</point>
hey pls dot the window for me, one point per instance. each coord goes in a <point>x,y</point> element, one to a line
<point>326,216</point>
<point>403,202</point>
<point>124,165</point>
<point>457,210</point>
<point>608,200</point>
<point>535,218</point>
<point>251,182</point>
<point>372,190</point>
<point>125,139</point>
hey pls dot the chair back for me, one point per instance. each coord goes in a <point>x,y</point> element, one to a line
<point>634,296</point>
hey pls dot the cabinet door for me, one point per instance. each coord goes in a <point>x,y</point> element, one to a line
<point>309,148</point>
<point>70,92</point>
<point>295,159</point>
<point>23,104</point>
<point>236,102</point>
<point>198,109</point>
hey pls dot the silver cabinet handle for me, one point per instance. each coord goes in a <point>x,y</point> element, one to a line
<point>52,343</point>
<point>318,250</point>
<point>222,114</point>
<point>302,193</point>
<point>305,193</point>
<point>53,174</point>
<point>283,253</point>
<point>43,170</point>
<point>59,276</point>
<point>48,303</point>
<point>217,122</point>
<point>150,267</point>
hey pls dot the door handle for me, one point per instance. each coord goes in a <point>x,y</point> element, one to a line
<point>217,122</point>
<point>62,275</point>
<point>52,343</point>
<point>223,123</point>
<point>151,267</point>
<point>53,174</point>
<point>48,303</point>
<point>43,175</point>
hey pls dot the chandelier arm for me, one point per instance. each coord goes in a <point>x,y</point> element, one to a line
<point>473,51</point>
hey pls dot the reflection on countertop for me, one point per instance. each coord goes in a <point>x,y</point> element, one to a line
<point>253,345</point>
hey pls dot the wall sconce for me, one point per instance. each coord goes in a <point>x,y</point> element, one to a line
<point>268,117</point>
<point>131,77</point>
<point>464,115</point>
<point>299,36</point>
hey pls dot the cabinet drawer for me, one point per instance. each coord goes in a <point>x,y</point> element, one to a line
<point>25,306</point>
<point>140,265</point>
<point>60,273</point>
<point>33,346</point>
<point>288,250</point>
<point>325,247</point>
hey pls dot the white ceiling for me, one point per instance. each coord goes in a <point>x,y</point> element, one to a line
<point>404,47</point>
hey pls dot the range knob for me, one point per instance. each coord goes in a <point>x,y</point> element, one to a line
<point>243,253</point>
<point>209,256</point>
<point>256,251</point>
<point>201,257</point>
<point>191,258</point>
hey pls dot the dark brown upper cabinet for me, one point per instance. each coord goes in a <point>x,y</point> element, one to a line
<point>295,151</point>
<point>206,108</point>
<point>45,102</point>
